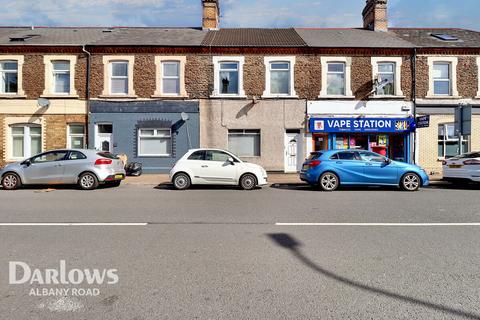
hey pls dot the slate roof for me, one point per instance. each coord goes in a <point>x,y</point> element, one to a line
<point>49,36</point>
<point>351,38</point>
<point>254,37</point>
<point>423,37</point>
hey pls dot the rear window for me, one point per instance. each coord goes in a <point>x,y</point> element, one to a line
<point>197,155</point>
<point>108,155</point>
<point>314,155</point>
<point>468,155</point>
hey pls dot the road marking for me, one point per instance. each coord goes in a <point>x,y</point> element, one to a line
<point>68,224</point>
<point>467,224</point>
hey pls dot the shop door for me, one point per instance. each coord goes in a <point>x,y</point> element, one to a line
<point>104,138</point>
<point>293,151</point>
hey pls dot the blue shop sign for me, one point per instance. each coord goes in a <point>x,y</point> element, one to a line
<point>384,125</point>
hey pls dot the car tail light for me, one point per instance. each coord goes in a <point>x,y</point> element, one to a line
<point>103,161</point>
<point>314,163</point>
<point>472,162</point>
<point>444,162</point>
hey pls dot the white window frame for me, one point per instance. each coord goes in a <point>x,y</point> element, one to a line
<point>217,60</point>
<point>27,141</point>
<point>344,75</point>
<point>139,136</point>
<point>397,61</point>
<point>455,139</point>
<point>348,77</point>
<point>49,90</point>
<point>243,133</point>
<point>267,62</point>
<point>19,59</point>
<point>76,135</point>
<point>453,61</point>
<point>159,62</point>
<point>107,70</point>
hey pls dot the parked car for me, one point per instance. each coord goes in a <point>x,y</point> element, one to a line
<point>216,167</point>
<point>463,168</point>
<point>87,168</point>
<point>330,169</point>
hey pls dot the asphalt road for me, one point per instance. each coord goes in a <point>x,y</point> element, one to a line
<point>213,253</point>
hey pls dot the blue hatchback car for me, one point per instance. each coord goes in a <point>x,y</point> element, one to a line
<point>330,169</point>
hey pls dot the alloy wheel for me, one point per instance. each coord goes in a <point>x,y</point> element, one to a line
<point>248,182</point>
<point>87,181</point>
<point>10,181</point>
<point>329,182</point>
<point>411,182</point>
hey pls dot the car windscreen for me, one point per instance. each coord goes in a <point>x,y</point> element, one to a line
<point>108,155</point>
<point>468,155</point>
<point>314,155</point>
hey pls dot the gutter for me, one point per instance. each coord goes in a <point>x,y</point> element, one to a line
<point>87,88</point>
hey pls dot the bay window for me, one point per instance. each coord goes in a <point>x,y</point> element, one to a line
<point>154,142</point>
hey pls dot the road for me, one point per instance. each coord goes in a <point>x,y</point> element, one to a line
<point>214,253</point>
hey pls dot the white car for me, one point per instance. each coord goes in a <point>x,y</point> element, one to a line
<point>216,167</point>
<point>465,167</point>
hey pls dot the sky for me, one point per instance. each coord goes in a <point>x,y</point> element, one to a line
<point>236,13</point>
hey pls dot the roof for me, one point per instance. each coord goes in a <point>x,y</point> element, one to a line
<point>49,36</point>
<point>351,38</point>
<point>423,37</point>
<point>179,37</point>
<point>254,37</point>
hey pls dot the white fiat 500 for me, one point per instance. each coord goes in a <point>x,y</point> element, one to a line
<point>465,167</point>
<point>216,167</point>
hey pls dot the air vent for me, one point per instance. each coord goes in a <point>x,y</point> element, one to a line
<point>107,30</point>
<point>23,38</point>
<point>444,37</point>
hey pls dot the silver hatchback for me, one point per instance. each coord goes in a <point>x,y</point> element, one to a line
<point>86,168</point>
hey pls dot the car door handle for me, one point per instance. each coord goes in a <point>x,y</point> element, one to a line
<point>339,162</point>
<point>204,166</point>
<point>368,164</point>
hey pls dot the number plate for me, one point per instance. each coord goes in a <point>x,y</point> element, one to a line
<point>119,176</point>
<point>455,166</point>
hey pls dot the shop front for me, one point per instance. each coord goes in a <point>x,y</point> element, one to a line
<point>388,134</point>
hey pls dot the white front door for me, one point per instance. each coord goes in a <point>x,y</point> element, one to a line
<point>104,137</point>
<point>293,150</point>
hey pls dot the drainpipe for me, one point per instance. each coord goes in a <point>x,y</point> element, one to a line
<point>414,92</point>
<point>87,95</point>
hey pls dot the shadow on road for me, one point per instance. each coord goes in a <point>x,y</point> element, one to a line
<point>287,242</point>
<point>169,186</point>
<point>306,187</point>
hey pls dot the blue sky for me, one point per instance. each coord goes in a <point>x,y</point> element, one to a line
<point>236,13</point>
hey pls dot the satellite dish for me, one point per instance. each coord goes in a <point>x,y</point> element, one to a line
<point>42,102</point>
<point>184,116</point>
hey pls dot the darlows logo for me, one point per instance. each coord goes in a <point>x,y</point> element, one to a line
<point>21,273</point>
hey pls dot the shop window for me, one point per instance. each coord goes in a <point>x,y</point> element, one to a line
<point>386,77</point>
<point>154,142</point>
<point>26,140</point>
<point>448,142</point>
<point>61,77</point>
<point>9,76</point>
<point>442,78</point>
<point>336,78</point>
<point>76,136</point>
<point>171,78</point>
<point>119,77</point>
<point>244,143</point>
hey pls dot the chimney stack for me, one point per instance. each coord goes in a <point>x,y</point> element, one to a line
<point>211,14</point>
<point>375,15</point>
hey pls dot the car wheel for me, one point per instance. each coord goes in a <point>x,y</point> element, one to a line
<point>411,182</point>
<point>11,181</point>
<point>248,181</point>
<point>329,181</point>
<point>88,181</point>
<point>181,181</point>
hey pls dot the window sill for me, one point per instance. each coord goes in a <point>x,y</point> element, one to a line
<point>443,97</point>
<point>227,96</point>
<point>335,97</point>
<point>13,96</point>
<point>162,96</point>
<point>269,96</point>
<point>60,96</point>
<point>477,97</point>
<point>118,96</point>
<point>380,97</point>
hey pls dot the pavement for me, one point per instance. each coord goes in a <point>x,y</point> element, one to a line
<point>273,178</point>
<point>279,252</point>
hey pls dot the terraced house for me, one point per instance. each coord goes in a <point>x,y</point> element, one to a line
<point>269,95</point>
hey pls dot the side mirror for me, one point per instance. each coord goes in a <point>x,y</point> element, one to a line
<point>230,159</point>
<point>388,161</point>
<point>27,162</point>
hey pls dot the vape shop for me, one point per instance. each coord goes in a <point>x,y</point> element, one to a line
<point>390,137</point>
